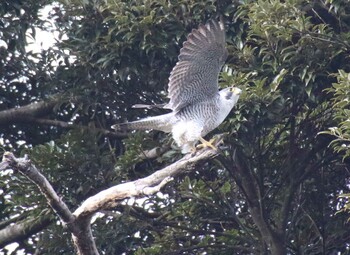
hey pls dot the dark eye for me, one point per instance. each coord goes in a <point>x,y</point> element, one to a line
<point>228,95</point>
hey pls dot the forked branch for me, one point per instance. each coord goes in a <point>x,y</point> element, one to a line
<point>78,222</point>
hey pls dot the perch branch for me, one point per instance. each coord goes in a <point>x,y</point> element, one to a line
<point>111,197</point>
<point>78,222</point>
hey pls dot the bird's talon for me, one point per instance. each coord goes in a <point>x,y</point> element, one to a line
<point>206,143</point>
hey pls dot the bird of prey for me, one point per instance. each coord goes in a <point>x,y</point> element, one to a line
<point>197,104</point>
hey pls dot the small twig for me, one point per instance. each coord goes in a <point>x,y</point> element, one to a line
<point>153,153</point>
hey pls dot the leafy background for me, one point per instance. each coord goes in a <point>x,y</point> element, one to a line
<point>288,135</point>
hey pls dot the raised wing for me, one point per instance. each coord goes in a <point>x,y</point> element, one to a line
<point>195,76</point>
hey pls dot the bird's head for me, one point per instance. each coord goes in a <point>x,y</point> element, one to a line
<point>230,95</point>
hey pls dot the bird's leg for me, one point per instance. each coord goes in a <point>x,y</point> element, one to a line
<point>205,143</point>
<point>193,150</point>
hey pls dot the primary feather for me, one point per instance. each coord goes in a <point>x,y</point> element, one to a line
<point>197,105</point>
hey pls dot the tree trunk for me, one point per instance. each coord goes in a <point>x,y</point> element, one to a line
<point>277,244</point>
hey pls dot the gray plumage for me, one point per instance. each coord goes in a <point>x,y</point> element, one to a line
<point>197,105</point>
<point>195,76</point>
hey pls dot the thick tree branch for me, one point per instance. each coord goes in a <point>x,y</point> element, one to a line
<point>14,219</point>
<point>81,233</point>
<point>242,174</point>
<point>36,109</point>
<point>31,113</point>
<point>23,229</point>
<point>66,125</point>
<point>109,198</point>
<point>78,223</point>
<point>25,166</point>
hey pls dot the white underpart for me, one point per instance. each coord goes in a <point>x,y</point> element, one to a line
<point>186,134</point>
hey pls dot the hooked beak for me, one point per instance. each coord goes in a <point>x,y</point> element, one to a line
<point>236,90</point>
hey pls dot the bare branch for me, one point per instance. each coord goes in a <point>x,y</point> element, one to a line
<point>66,125</point>
<point>31,113</point>
<point>80,229</point>
<point>35,109</point>
<point>79,222</point>
<point>24,166</point>
<point>23,229</point>
<point>111,197</point>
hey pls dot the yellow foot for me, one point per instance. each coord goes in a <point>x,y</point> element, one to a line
<point>206,144</point>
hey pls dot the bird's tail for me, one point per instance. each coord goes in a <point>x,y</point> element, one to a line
<point>161,123</point>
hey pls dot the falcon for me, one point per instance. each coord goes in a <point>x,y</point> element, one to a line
<point>197,104</point>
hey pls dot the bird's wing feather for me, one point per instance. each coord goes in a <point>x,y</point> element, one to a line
<point>195,76</point>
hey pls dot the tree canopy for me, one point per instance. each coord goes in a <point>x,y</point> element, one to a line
<point>274,186</point>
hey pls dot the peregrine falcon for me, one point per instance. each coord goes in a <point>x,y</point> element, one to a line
<point>197,105</point>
